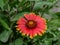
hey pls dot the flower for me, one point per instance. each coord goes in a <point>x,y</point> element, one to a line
<point>31,25</point>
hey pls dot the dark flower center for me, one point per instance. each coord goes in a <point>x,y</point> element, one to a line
<point>31,24</point>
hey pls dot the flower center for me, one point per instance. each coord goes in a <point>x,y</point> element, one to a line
<point>31,24</point>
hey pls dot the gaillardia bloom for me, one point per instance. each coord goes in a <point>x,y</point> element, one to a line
<point>31,25</point>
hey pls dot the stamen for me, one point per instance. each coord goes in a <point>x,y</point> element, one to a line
<point>31,24</point>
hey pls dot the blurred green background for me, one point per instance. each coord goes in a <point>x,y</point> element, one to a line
<point>12,10</point>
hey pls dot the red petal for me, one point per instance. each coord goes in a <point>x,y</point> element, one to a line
<point>41,26</point>
<point>21,21</point>
<point>30,16</point>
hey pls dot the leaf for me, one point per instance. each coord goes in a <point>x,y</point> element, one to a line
<point>57,13</point>
<point>53,24</point>
<point>33,0</point>
<point>18,41</point>
<point>48,42</point>
<point>52,0</point>
<point>56,22</point>
<point>4,24</point>
<point>47,16</point>
<point>41,4</point>
<point>2,3</point>
<point>4,36</point>
<point>0,43</point>
<point>14,18</point>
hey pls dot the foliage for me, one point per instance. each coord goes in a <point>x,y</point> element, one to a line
<point>12,10</point>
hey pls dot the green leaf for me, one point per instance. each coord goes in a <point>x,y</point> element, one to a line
<point>4,24</point>
<point>47,16</point>
<point>33,0</point>
<point>2,3</point>
<point>14,18</point>
<point>55,22</point>
<point>4,36</point>
<point>52,0</point>
<point>57,13</point>
<point>48,42</point>
<point>18,41</point>
<point>41,4</point>
<point>0,43</point>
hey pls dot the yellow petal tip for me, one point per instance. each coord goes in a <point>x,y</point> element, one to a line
<point>23,34</point>
<point>17,29</point>
<point>31,37</point>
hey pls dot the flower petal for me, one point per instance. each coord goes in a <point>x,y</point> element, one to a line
<point>30,16</point>
<point>21,21</point>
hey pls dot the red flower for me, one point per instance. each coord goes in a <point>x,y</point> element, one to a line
<point>31,25</point>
